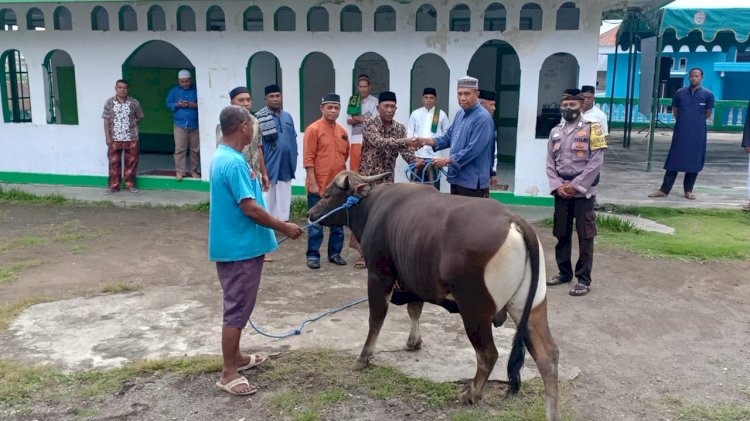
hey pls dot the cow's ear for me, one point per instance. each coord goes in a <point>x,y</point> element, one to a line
<point>360,189</point>
<point>342,182</point>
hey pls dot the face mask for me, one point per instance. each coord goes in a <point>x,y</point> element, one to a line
<point>570,114</point>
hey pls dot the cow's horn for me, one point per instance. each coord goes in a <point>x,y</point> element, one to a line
<point>373,178</point>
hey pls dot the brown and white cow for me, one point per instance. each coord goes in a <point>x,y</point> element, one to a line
<point>471,256</point>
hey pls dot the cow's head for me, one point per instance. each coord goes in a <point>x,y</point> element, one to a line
<point>346,183</point>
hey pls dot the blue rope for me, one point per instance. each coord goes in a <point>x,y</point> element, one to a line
<point>412,176</point>
<point>298,331</point>
<point>350,202</point>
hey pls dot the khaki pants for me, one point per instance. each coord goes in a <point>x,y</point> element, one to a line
<point>184,139</point>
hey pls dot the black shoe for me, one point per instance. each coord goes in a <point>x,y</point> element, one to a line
<point>337,260</point>
<point>313,263</point>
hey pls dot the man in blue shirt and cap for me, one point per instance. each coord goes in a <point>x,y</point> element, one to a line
<point>183,101</point>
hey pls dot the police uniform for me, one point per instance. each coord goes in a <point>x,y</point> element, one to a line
<point>575,155</point>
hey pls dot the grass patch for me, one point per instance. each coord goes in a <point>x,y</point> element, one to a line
<point>721,412</point>
<point>528,404</point>
<point>23,242</point>
<point>66,232</point>
<point>613,224</point>
<point>79,249</point>
<point>9,312</point>
<point>17,195</point>
<point>22,385</point>
<point>299,209</point>
<point>9,273</point>
<point>202,207</point>
<point>702,234</point>
<point>388,382</point>
<point>120,287</point>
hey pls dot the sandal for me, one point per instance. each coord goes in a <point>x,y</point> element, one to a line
<point>746,208</point>
<point>360,263</point>
<point>557,280</point>
<point>689,195</point>
<point>658,193</point>
<point>234,383</point>
<point>579,290</point>
<point>255,360</point>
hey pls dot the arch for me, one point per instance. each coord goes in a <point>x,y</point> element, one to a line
<point>460,18</point>
<point>496,65</point>
<point>374,66</point>
<point>99,19</point>
<point>568,17</point>
<point>351,19</point>
<point>426,18</point>
<point>317,78</point>
<point>495,17</point>
<point>558,73</point>
<point>14,87</point>
<point>252,19</point>
<point>60,88</point>
<point>8,20</point>
<point>157,19</point>
<point>531,17</point>
<point>385,19</point>
<point>430,71</point>
<point>215,20</point>
<point>317,19</point>
<point>186,19</point>
<point>151,69</point>
<point>263,69</point>
<point>62,20</point>
<point>35,19</point>
<point>128,19</point>
<point>284,19</point>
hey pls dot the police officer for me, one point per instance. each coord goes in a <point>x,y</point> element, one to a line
<point>575,154</point>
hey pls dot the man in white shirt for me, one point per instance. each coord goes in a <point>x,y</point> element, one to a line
<point>361,107</point>
<point>591,112</point>
<point>428,121</point>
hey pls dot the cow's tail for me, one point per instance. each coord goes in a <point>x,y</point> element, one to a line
<point>521,340</point>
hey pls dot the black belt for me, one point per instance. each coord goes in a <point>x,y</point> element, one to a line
<point>572,177</point>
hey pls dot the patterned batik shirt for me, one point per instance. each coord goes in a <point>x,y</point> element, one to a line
<point>123,118</point>
<point>381,147</point>
<point>250,152</point>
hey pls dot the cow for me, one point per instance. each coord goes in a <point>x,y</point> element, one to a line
<point>472,256</point>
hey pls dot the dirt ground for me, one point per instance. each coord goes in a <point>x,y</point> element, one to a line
<point>652,332</point>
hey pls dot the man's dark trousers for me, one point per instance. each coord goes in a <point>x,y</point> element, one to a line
<point>582,210</point>
<point>315,235</point>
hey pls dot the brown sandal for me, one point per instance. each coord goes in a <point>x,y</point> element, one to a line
<point>689,195</point>
<point>557,280</point>
<point>658,193</point>
<point>579,290</point>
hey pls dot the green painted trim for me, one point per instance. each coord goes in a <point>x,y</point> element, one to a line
<point>142,182</point>
<point>509,88</point>
<point>507,159</point>
<point>299,191</point>
<point>507,122</point>
<point>508,198</point>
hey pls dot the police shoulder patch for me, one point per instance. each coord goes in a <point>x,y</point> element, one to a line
<point>597,140</point>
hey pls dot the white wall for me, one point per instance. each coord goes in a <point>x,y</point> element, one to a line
<point>220,59</point>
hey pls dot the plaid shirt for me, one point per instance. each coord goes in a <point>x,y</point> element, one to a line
<point>123,118</point>
<point>381,147</point>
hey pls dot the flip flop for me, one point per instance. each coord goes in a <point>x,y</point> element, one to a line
<point>360,263</point>
<point>689,195</point>
<point>557,280</point>
<point>234,383</point>
<point>579,290</point>
<point>255,360</point>
<point>658,193</point>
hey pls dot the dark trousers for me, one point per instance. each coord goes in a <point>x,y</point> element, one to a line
<point>115,154</point>
<point>582,210</point>
<point>315,235</point>
<point>670,176</point>
<point>463,191</point>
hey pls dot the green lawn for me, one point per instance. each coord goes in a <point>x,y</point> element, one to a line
<point>702,234</point>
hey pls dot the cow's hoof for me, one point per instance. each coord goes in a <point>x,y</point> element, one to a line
<point>414,345</point>
<point>360,364</point>
<point>467,397</point>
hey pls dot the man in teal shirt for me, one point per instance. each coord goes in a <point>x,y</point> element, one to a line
<point>240,233</point>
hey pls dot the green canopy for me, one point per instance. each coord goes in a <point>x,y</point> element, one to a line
<point>692,23</point>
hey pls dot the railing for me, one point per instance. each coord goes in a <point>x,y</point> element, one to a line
<point>728,116</point>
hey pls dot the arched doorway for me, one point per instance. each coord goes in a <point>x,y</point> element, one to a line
<point>60,88</point>
<point>559,72</point>
<point>151,71</point>
<point>317,78</point>
<point>374,66</point>
<point>431,71</point>
<point>263,69</point>
<point>498,69</point>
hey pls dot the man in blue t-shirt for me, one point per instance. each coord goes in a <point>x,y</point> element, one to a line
<point>240,233</point>
<point>182,100</point>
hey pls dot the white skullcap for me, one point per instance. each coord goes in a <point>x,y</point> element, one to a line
<point>468,82</point>
<point>184,74</point>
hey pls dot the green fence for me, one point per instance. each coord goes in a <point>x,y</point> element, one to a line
<point>728,116</point>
